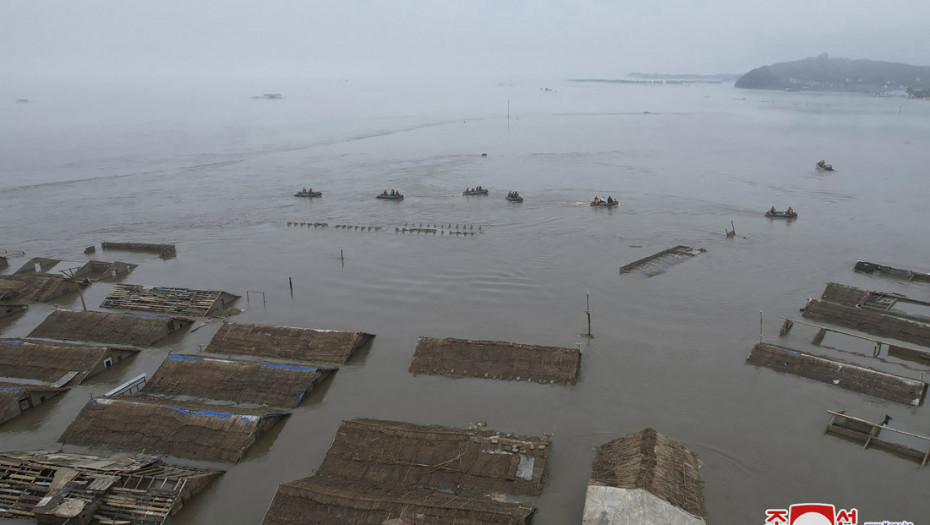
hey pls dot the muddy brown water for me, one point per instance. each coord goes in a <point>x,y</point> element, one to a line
<point>215,175</point>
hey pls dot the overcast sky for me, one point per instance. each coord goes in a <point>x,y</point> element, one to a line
<point>48,39</point>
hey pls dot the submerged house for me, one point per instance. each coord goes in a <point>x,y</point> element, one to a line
<point>109,327</point>
<point>57,364</point>
<point>271,384</point>
<point>299,344</point>
<point>100,270</point>
<point>495,360</point>
<point>16,398</point>
<point>335,501</point>
<point>123,489</point>
<point>184,429</point>
<point>644,477</point>
<point>378,471</point>
<point>844,375</point>
<point>869,321</point>
<point>165,251</point>
<point>35,287</point>
<point>37,265</point>
<point>160,299</point>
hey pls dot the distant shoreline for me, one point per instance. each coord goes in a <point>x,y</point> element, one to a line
<point>657,81</point>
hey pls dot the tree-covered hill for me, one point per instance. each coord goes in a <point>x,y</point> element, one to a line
<point>823,73</point>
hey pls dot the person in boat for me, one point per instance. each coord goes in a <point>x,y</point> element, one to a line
<point>384,193</point>
<point>821,164</point>
<point>790,210</point>
<point>309,190</point>
<point>772,211</point>
<point>610,200</point>
<point>303,190</point>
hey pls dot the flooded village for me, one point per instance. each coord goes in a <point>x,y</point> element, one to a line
<point>200,345</point>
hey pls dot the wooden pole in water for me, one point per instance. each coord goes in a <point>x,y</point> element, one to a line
<point>760,326</point>
<point>70,273</point>
<point>588,310</point>
<point>290,283</point>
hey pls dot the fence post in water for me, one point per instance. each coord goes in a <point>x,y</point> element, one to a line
<point>760,326</point>
<point>588,310</point>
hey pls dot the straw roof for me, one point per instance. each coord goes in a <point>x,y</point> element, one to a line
<point>50,362</point>
<point>44,265</point>
<point>104,327</point>
<point>842,294</point>
<point>393,453</point>
<point>321,500</point>
<point>98,270</point>
<point>165,251</point>
<point>273,384</point>
<point>38,287</point>
<point>179,428</point>
<point>844,375</point>
<point>868,321</point>
<point>495,360</point>
<point>12,393</point>
<point>52,487</point>
<point>652,461</point>
<point>160,299</point>
<point>300,344</point>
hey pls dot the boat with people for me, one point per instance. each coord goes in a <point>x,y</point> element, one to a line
<point>823,166</point>
<point>787,214</point>
<point>609,202</point>
<point>514,196</point>
<point>308,192</point>
<point>477,190</point>
<point>393,195</point>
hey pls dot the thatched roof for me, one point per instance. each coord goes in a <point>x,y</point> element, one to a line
<point>99,270</point>
<point>652,461</point>
<point>37,287</point>
<point>868,321</point>
<point>180,301</point>
<point>44,265</point>
<point>123,488</point>
<point>12,393</point>
<point>300,344</point>
<point>179,428</point>
<point>108,327</point>
<point>273,384</point>
<point>321,500</point>
<point>51,362</point>
<point>843,375</point>
<point>390,453</point>
<point>495,360</point>
<point>165,251</point>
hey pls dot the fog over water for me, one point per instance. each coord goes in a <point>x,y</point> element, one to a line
<point>214,172</point>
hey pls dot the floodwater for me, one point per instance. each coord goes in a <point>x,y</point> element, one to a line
<point>213,171</point>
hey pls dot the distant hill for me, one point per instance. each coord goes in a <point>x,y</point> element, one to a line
<point>822,73</point>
